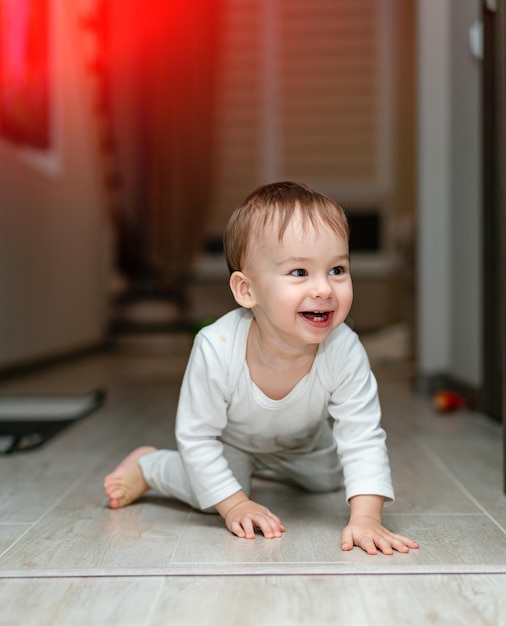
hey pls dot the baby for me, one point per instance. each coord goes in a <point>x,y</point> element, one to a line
<point>279,387</point>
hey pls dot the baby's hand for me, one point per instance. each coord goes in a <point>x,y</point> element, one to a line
<point>243,518</point>
<point>367,533</point>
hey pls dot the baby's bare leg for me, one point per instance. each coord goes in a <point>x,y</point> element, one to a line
<point>126,483</point>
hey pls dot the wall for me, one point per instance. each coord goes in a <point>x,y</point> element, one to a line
<point>449,180</point>
<point>54,239</point>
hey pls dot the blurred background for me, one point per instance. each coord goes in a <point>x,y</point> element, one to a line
<point>129,132</point>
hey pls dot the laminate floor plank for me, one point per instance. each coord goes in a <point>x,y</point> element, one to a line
<point>414,475</point>
<point>327,600</point>
<point>446,540</point>
<point>78,601</point>
<point>9,533</point>
<point>434,599</point>
<point>474,463</point>
<point>249,601</point>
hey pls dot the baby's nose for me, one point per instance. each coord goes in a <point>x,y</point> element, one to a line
<point>322,288</point>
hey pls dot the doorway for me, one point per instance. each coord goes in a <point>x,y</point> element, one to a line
<point>494,208</point>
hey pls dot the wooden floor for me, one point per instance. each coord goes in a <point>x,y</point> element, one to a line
<point>66,559</point>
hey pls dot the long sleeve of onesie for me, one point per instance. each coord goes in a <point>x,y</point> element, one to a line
<point>355,408</point>
<point>202,417</point>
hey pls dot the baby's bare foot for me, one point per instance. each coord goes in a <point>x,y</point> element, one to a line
<point>126,483</point>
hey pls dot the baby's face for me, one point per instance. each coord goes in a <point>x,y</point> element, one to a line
<point>301,286</point>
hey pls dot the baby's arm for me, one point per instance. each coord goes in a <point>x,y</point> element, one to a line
<point>243,515</point>
<point>365,530</point>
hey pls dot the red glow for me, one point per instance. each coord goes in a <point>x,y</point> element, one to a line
<point>170,33</point>
<point>24,89</point>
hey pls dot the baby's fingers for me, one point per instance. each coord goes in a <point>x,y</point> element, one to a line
<point>271,527</point>
<point>368,543</point>
<point>390,542</point>
<point>243,528</point>
<point>373,540</point>
<point>347,539</point>
<point>403,544</point>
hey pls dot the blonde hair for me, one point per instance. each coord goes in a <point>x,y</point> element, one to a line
<point>275,205</point>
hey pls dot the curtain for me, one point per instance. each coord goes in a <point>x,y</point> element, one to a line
<point>178,112</point>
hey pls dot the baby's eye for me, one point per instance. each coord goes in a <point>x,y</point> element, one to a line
<point>337,271</point>
<point>298,273</point>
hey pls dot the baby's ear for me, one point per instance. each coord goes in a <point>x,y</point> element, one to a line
<point>241,289</point>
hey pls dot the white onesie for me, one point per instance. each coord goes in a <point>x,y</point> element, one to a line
<point>222,415</point>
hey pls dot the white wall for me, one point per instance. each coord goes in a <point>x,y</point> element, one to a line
<point>449,202</point>
<point>54,238</point>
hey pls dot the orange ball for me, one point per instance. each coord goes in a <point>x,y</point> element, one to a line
<point>446,401</point>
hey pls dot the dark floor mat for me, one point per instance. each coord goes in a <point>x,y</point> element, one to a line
<point>29,421</point>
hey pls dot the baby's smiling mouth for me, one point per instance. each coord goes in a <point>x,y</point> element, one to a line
<point>316,316</point>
